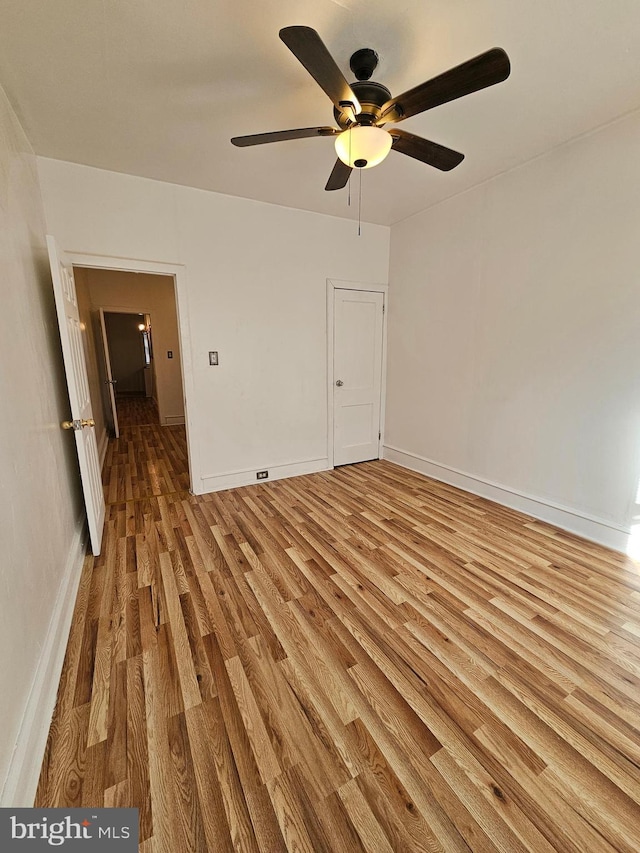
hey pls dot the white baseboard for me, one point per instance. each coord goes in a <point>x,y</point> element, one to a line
<point>21,782</point>
<point>247,477</point>
<point>589,527</point>
<point>171,420</point>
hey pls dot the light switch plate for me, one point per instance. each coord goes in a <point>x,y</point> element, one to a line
<point>213,358</point>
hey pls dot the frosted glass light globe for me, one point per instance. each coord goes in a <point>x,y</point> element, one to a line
<point>362,147</point>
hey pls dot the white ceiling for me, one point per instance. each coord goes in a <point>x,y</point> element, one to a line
<point>157,87</point>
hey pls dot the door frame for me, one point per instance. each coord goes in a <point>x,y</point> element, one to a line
<point>106,310</point>
<point>106,355</point>
<point>333,285</point>
<point>179,274</point>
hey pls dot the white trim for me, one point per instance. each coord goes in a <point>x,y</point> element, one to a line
<point>332,286</point>
<point>179,274</point>
<point>172,420</point>
<point>117,262</point>
<point>599,530</point>
<point>247,476</point>
<point>119,310</point>
<point>21,782</point>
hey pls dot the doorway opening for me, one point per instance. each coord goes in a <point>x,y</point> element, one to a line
<point>130,371</point>
<point>133,355</point>
<point>152,460</point>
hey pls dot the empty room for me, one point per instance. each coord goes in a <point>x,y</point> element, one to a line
<point>320,458</point>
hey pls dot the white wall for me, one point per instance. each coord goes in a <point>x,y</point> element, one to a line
<point>255,291</point>
<point>39,497</point>
<point>514,335</point>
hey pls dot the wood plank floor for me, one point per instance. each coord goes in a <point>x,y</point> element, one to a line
<point>362,659</point>
<point>137,411</point>
<point>147,459</point>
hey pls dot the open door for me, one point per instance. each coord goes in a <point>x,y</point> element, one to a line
<point>109,373</point>
<point>81,422</point>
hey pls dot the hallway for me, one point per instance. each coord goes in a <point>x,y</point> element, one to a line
<point>147,459</point>
<point>136,411</point>
<point>359,659</point>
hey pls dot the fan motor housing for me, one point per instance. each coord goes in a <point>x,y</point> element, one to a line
<point>372,96</point>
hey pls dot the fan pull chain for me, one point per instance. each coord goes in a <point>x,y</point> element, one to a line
<point>350,173</point>
<point>360,204</point>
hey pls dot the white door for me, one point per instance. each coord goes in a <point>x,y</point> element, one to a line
<point>81,423</point>
<point>357,373</point>
<point>109,374</point>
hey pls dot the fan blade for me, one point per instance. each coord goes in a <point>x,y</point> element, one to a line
<point>485,70</point>
<point>339,176</point>
<point>283,135</point>
<point>428,152</point>
<point>309,49</point>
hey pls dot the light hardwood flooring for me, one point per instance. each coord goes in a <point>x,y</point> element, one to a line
<point>362,659</point>
<point>147,459</point>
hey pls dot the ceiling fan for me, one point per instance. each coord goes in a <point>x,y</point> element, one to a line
<point>363,108</point>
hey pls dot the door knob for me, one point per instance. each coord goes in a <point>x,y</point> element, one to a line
<point>339,383</point>
<point>78,424</point>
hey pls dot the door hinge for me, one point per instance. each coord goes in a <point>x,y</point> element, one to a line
<point>379,436</point>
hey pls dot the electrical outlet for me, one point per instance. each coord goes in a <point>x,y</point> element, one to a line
<point>262,475</point>
<point>213,359</point>
<point>169,353</point>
